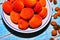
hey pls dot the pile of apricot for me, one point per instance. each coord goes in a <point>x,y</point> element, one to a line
<point>26,13</point>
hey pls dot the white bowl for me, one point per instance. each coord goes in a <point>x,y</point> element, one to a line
<point>13,26</point>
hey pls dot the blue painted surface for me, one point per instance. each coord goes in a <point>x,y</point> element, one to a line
<point>46,35</point>
<point>3,29</point>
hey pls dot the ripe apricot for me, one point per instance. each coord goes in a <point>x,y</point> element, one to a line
<point>58,12</point>
<point>14,17</point>
<point>55,15</point>
<point>14,0</point>
<point>57,8</point>
<point>43,2</point>
<point>27,13</point>
<point>56,27</point>
<point>11,1</point>
<point>55,2</point>
<point>7,7</point>
<point>18,5</point>
<point>50,0</point>
<point>59,31</point>
<point>54,32</point>
<point>51,38</point>
<point>30,3</point>
<point>35,21</point>
<point>38,7</point>
<point>43,13</point>
<point>22,24</point>
<point>53,23</point>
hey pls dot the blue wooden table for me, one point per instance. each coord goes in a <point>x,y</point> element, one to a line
<point>46,35</point>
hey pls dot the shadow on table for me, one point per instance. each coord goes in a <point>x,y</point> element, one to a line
<point>27,35</point>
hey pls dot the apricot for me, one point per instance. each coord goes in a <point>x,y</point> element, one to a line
<point>7,7</point>
<point>30,3</point>
<point>55,15</point>
<point>55,2</point>
<point>22,0</point>
<point>58,12</point>
<point>59,31</point>
<point>18,5</point>
<point>11,1</point>
<point>57,8</point>
<point>14,0</point>
<point>35,21</point>
<point>50,0</point>
<point>27,13</point>
<point>38,7</point>
<point>14,17</point>
<point>43,2</point>
<point>54,32</point>
<point>56,27</point>
<point>51,38</point>
<point>53,23</point>
<point>22,24</point>
<point>43,13</point>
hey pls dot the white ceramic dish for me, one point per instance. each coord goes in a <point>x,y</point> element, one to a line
<point>13,26</point>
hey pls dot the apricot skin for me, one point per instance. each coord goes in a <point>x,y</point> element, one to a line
<point>29,3</point>
<point>14,17</point>
<point>53,23</point>
<point>14,0</point>
<point>35,21</point>
<point>59,31</point>
<point>22,24</point>
<point>54,32</point>
<point>58,12</point>
<point>18,5</point>
<point>37,7</point>
<point>11,1</point>
<point>27,13</point>
<point>43,13</point>
<point>7,7</point>
<point>43,2</point>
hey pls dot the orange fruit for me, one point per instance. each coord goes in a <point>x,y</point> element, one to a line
<point>18,5</point>
<point>43,2</point>
<point>22,24</point>
<point>29,3</point>
<point>14,17</point>
<point>11,1</point>
<point>27,13</point>
<point>35,21</point>
<point>7,7</point>
<point>54,32</point>
<point>43,13</point>
<point>38,7</point>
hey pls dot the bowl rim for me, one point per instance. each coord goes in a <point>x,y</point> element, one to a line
<point>47,21</point>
